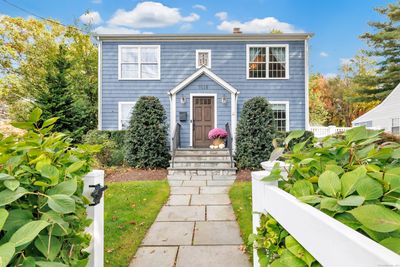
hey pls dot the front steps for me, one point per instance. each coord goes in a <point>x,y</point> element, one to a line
<point>201,162</point>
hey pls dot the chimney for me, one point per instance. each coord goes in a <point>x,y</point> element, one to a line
<point>237,31</point>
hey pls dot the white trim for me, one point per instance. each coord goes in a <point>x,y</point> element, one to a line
<point>99,85</point>
<point>191,112</point>
<point>267,46</point>
<point>119,111</point>
<point>172,116</point>
<point>287,104</point>
<point>209,57</point>
<point>198,73</point>
<point>139,47</point>
<point>306,81</point>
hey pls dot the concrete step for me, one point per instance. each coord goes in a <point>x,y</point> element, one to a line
<point>202,152</point>
<point>187,171</point>
<point>183,162</point>
<point>177,177</point>
<point>201,157</point>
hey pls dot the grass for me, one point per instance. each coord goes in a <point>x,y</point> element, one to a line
<point>240,195</point>
<point>130,210</point>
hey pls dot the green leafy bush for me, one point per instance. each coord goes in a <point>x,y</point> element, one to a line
<point>353,177</point>
<point>146,137</point>
<point>42,210</point>
<point>113,149</point>
<point>254,134</point>
<point>280,137</point>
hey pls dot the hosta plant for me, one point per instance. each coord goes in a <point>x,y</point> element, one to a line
<point>42,210</point>
<point>353,177</point>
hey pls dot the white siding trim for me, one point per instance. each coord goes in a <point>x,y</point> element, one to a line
<point>120,109</point>
<point>99,85</point>
<point>139,62</point>
<point>306,93</point>
<point>267,46</point>
<point>191,112</point>
<point>286,103</point>
<point>197,57</point>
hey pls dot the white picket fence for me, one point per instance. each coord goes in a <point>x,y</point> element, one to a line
<point>328,240</point>
<point>322,131</point>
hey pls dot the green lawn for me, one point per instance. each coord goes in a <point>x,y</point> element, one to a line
<point>240,195</point>
<point>130,209</point>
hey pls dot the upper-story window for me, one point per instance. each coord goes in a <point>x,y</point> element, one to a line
<point>267,61</point>
<point>203,58</point>
<point>139,62</point>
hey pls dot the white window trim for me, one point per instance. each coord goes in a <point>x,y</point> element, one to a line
<point>286,103</point>
<point>139,61</point>
<point>267,46</point>
<point>198,66</point>
<point>120,111</point>
<point>191,112</point>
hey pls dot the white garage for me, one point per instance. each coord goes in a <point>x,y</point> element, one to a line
<point>384,116</point>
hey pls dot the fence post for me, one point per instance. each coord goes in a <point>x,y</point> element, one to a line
<point>331,130</point>
<point>96,213</point>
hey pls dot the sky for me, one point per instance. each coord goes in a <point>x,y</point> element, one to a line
<point>337,24</point>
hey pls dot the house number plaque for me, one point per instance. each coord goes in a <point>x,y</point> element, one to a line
<point>203,87</point>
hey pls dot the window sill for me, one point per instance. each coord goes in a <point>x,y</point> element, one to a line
<point>138,79</point>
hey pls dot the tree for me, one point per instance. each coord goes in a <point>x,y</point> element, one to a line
<point>385,44</point>
<point>254,133</point>
<point>318,112</point>
<point>146,137</point>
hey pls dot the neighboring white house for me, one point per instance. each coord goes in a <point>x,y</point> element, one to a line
<point>384,116</point>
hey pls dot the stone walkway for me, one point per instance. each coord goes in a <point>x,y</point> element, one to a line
<point>196,228</point>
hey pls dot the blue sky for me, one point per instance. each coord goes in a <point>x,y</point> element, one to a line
<point>335,23</point>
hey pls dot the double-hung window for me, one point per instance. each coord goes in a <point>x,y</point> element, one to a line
<point>124,114</point>
<point>139,62</point>
<point>267,61</point>
<point>396,126</point>
<point>281,114</point>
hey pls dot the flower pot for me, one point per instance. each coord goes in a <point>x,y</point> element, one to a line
<point>218,141</point>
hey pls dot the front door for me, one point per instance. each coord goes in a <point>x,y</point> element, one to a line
<point>203,120</point>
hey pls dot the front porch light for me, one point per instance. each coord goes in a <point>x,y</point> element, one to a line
<point>223,99</point>
<point>183,99</point>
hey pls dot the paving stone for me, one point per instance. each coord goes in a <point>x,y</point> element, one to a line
<point>220,182</point>
<point>180,190</point>
<point>154,257</point>
<point>181,213</point>
<point>179,177</point>
<point>169,233</point>
<point>216,199</point>
<point>224,177</point>
<point>194,183</point>
<point>175,182</point>
<point>201,177</point>
<point>217,233</point>
<point>214,190</point>
<point>212,256</point>
<point>178,200</point>
<point>220,213</point>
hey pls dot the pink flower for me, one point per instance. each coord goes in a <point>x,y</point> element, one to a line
<point>217,133</point>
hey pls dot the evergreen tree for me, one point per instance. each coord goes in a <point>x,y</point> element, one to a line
<point>385,44</point>
<point>254,133</point>
<point>146,137</point>
<point>58,101</point>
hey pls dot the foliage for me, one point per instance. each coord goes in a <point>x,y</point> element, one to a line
<point>29,51</point>
<point>254,133</point>
<point>127,217</point>
<point>385,47</point>
<point>43,213</point>
<point>240,195</point>
<point>353,177</point>
<point>217,133</point>
<point>146,137</point>
<point>279,141</point>
<point>112,151</point>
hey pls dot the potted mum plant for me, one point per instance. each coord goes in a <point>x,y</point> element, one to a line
<point>218,136</point>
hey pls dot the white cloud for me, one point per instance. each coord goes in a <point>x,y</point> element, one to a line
<point>185,27</point>
<point>200,7</point>
<point>91,17</point>
<point>264,25</point>
<point>115,29</point>
<point>330,75</point>
<point>222,15</point>
<point>345,61</point>
<point>323,54</point>
<point>96,1</point>
<point>150,15</point>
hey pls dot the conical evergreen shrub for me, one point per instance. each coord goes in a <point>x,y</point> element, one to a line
<point>146,137</point>
<point>254,134</point>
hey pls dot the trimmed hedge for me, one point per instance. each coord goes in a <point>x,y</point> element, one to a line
<point>254,134</point>
<point>146,138</point>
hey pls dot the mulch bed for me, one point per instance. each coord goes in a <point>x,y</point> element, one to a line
<point>243,176</point>
<point>124,174</point>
